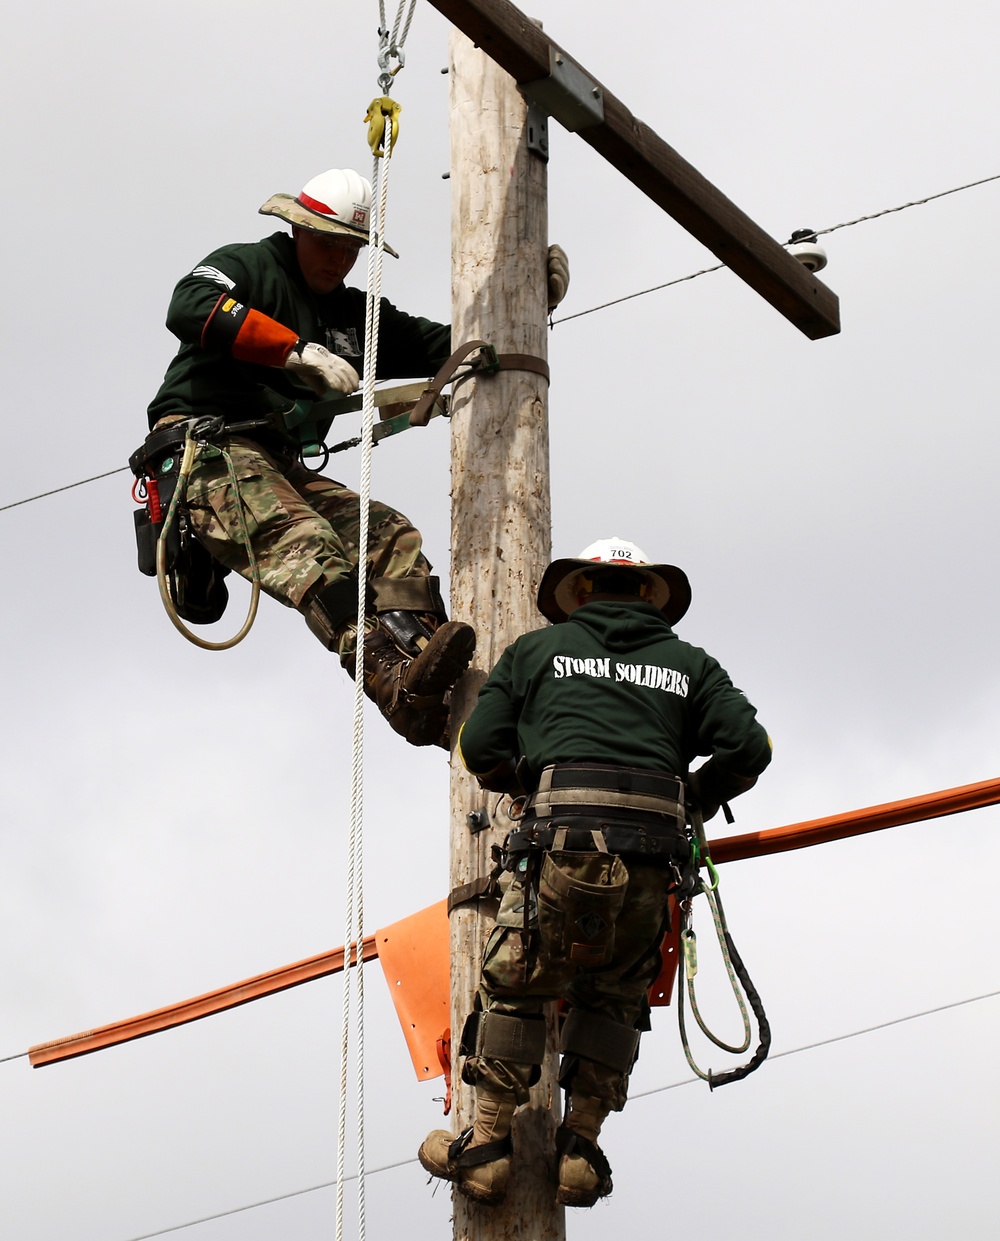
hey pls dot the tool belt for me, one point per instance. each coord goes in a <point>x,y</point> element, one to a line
<point>196,579</point>
<point>596,788</point>
<point>594,807</point>
<point>579,837</point>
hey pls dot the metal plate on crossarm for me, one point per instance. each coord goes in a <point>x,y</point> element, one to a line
<point>568,94</point>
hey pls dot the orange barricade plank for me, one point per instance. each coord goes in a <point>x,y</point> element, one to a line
<point>415,951</point>
<point>415,957</point>
<point>856,822</point>
<point>201,1006</point>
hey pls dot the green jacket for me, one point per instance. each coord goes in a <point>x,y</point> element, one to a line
<point>614,684</point>
<point>265,276</point>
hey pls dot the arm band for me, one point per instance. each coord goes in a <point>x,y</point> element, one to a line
<point>247,334</point>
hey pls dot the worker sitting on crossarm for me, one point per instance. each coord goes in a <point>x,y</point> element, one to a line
<point>599,716</point>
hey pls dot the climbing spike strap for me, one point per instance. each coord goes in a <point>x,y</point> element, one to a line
<point>502,1036</point>
<point>599,1038</point>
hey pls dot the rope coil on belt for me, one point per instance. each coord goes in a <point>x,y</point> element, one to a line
<point>735,968</point>
<point>194,439</point>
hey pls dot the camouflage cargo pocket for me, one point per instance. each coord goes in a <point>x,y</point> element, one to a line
<point>256,501</point>
<point>504,962</point>
<point>580,896</point>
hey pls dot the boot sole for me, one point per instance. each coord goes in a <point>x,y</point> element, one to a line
<point>575,1198</point>
<point>485,1199</point>
<point>435,1169</point>
<point>442,661</point>
<point>470,1191</point>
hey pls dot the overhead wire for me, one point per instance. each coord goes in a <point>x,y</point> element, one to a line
<point>68,487</point>
<point>704,271</point>
<point>687,1081</point>
<point>250,1206</point>
<point>836,1038</point>
<point>816,232</point>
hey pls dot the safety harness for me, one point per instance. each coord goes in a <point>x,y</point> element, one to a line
<point>191,580</point>
<point>620,813</point>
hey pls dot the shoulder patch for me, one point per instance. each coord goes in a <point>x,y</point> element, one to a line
<point>213,274</point>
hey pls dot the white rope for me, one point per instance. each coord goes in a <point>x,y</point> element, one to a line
<point>354,932</point>
<point>355,859</point>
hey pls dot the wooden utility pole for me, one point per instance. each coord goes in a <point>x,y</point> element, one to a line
<point>501,533</point>
<point>501,520</point>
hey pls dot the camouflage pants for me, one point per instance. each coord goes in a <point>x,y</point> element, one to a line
<point>520,976</point>
<point>303,528</point>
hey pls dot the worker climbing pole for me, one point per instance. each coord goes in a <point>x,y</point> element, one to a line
<point>271,338</point>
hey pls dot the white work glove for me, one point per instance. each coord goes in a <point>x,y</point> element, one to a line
<point>557,269</point>
<point>322,370</point>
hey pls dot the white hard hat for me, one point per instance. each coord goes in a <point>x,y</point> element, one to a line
<point>667,586</point>
<point>337,201</point>
<point>614,551</point>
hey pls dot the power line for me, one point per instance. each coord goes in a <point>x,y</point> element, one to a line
<point>836,1038</point>
<point>917,202</point>
<point>69,486</point>
<point>819,232</point>
<point>295,1193</point>
<point>402,1163</point>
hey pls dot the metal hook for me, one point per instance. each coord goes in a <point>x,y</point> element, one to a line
<point>387,74</point>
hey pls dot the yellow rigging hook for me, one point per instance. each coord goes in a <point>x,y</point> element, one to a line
<point>382,111</point>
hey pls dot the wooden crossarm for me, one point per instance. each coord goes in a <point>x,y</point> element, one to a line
<point>526,52</point>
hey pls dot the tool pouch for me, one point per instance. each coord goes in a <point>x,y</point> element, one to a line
<point>161,482</point>
<point>580,896</point>
<point>196,582</point>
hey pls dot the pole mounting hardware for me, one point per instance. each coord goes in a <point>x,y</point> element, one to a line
<point>568,94</point>
<point>538,131</point>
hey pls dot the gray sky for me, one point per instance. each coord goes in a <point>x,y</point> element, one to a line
<point>175,820</point>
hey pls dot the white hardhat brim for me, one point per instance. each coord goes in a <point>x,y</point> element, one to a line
<point>288,208</point>
<point>557,592</point>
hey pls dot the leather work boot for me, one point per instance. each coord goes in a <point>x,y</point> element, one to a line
<point>478,1160</point>
<point>584,1172</point>
<point>410,690</point>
